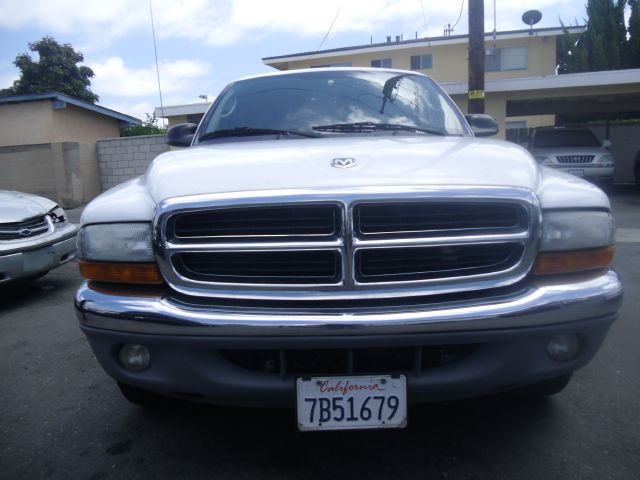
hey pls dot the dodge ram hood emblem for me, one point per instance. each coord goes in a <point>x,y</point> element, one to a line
<point>343,162</point>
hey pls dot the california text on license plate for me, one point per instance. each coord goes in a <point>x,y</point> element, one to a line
<point>578,172</point>
<point>352,402</point>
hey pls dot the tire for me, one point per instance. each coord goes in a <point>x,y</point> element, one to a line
<point>545,388</point>
<point>143,398</point>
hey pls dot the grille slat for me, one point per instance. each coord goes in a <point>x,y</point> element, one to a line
<point>429,218</point>
<point>411,359</point>
<point>259,222</point>
<point>575,158</point>
<point>304,267</point>
<point>425,263</point>
<point>26,229</point>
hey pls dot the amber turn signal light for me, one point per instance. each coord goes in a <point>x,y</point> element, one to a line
<point>573,261</point>
<point>139,273</point>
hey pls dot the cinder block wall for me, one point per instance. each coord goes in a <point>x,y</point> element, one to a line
<point>120,159</point>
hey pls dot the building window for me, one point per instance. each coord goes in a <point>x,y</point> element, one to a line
<point>341,64</point>
<point>505,59</point>
<point>420,62</point>
<point>381,63</point>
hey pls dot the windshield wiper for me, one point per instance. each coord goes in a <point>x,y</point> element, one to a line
<point>359,127</point>
<point>249,131</point>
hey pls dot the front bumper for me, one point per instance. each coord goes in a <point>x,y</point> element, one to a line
<point>587,171</point>
<point>510,333</point>
<point>38,255</point>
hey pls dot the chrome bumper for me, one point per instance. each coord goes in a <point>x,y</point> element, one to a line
<point>544,302</point>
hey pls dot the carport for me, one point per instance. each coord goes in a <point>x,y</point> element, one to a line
<point>608,100</point>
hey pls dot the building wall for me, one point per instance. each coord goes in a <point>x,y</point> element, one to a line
<point>64,171</point>
<point>26,123</point>
<point>120,159</point>
<point>178,119</point>
<point>74,124</point>
<point>449,61</point>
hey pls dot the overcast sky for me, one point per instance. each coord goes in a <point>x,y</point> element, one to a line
<point>204,44</point>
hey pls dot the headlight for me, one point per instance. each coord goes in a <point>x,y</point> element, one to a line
<point>606,158</point>
<point>544,160</point>
<point>116,242</point>
<point>575,241</point>
<point>58,216</point>
<point>576,230</point>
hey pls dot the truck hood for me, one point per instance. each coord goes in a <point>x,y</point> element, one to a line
<point>307,163</point>
<point>392,161</point>
<point>18,206</point>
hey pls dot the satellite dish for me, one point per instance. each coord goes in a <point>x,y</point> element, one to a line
<point>531,17</point>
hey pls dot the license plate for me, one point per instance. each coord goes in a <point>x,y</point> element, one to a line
<point>37,259</point>
<point>578,172</point>
<point>344,403</point>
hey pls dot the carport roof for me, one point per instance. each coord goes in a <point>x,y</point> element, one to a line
<point>56,96</point>
<point>569,80</point>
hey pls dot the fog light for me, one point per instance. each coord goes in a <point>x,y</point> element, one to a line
<point>135,358</point>
<point>563,348</point>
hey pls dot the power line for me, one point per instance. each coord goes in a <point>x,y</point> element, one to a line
<point>459,15</point>
<point>424,17</point>
<point>334,21</point>
<point>155,50</point>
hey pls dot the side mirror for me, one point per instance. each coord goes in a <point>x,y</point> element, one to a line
<point>482,125</point>
<point>181,135</point>
<point>606,143</point>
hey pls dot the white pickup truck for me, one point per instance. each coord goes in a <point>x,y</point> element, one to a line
<point>342,242</point>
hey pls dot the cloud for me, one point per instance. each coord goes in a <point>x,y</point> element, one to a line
<point>113,77</point>
<point>223,22</point>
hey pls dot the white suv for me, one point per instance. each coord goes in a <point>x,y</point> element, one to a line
<point>573,150</point>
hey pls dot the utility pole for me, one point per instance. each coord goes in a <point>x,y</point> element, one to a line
<point>476,56</point>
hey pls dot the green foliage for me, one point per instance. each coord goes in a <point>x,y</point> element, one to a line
<point>633,46</point>
<point>55,70</point>
<point>148,127</point>
<point>605,44</point>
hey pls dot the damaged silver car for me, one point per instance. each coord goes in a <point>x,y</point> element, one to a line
<point>35,236</point>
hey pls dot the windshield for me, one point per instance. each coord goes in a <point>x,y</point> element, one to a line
<point>338,102</point>
<point>565,138</point>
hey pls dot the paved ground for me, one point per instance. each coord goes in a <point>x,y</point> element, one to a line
<point>62,417</point>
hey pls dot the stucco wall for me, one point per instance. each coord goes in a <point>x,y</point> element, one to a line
<point>73,124</point>
<point>120,159</point>
<point>65,172</point>
<point>27,123</point>
<point>625,148</point>
<point>450,61</point>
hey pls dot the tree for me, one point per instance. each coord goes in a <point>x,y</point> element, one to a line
<point>55,70</point>
<point>633,57</point>
<point>603,45</point>
<point>148,127</point>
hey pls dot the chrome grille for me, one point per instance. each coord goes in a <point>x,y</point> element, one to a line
<point>342,244</point>
<point>425,263</point>
<point>404,219</point>
<point>258,223</point>
<point>575,158</point>
<point>271,267</point>
<point>26,229</point>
